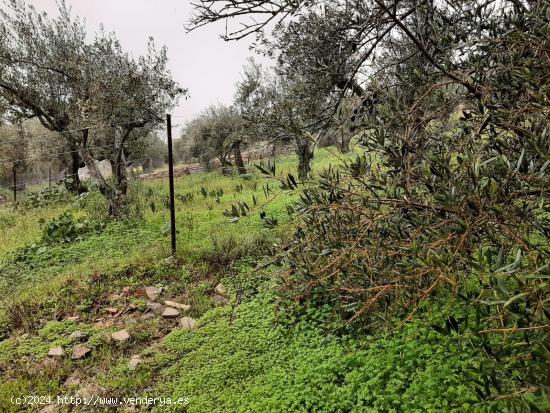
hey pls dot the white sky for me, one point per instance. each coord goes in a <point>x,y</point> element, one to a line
<point>200,61</point>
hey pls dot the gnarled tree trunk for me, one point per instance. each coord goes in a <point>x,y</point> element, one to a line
<point>304,150</point>
<point>345,139</point>
<point>238,158</point>
<point>116,197</point>
<point>73,183</point>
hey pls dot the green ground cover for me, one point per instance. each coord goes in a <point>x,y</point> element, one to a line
<point>245,355</point>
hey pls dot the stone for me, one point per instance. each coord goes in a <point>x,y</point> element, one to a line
<point>77,335</point>
<point>148,316</point>
<point>48,364</point>
<point>220,299</point>
<point>102,323</point>
<point>80,351</point>
<point>188,323</point>
<point>155,307</point>
<point>73,318</point>
<point>112,310</point>
<point>170,312</point>
<point>135,360</point>
<point>90,391</point>
<point>56,352</point>
<point>152,292</point>
<point>220,289</point>
<point>114,297</point>
<point>72,380</point>
<point>184,307</point>
<point>121,335</point>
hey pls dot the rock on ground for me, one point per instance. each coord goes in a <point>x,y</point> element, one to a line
<point>152,292</point>
<point>72,380</point>
<point>220,299</point>
<point>77,335</point>
<point>170,312</point>
<point>121,335</point>
<point>80,351</point>
<point>134,361</point>
<point>220,289</point>
<point>184,307</point>
<point>56,352</point>
<point>155,307</point>
<point>188,323</point>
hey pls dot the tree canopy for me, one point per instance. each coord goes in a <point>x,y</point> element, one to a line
<point>50,71</point>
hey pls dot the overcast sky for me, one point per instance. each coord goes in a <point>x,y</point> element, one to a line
<point>199,61</point>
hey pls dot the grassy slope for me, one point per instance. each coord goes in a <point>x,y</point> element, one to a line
<point>253,364</point>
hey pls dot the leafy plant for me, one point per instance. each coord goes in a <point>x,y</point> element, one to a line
<point>66,228</point>
<point>46,197</point>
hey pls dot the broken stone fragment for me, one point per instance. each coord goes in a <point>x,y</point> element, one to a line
<point>220,299</point>
<point>72,318</point>
<point>77,335</point>
<point>112,310</point>
<point>72,380</point>
<point>90,390</point>
<point>152,292</point>
<point>80,351</point>
<point>148,316</point>
<point>220,289</point>
<point>170,312</point>
<point>56,352</point>
<point>121,335</point>
<point>155,307</point>
<point>184,307</point>
<point>114,297</point>
<point>188,323</point>
<point>134,361</point>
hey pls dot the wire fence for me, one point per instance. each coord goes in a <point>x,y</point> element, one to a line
<point>46,166</point>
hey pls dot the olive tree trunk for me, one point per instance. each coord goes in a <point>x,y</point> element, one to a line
<point>116,193</point>
<point>304,150</point>
<point>73,183</point>
<point>238,158</point>
<point>345,139</point>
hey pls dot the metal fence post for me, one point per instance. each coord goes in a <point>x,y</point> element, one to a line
<point>171,183</point>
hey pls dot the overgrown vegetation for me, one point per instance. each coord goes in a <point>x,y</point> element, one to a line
<point>253,354</point>
<point>410,273</point>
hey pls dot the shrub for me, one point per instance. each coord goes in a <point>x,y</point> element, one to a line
<point>66,228</point>
<point>46,197</point>
<point>450,196</point>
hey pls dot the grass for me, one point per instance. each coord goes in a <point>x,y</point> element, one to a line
<point>201,226</point>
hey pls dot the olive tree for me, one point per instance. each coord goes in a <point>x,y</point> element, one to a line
<point>92,92</point>
<point>217,133</point>
<point>450,197</point>
<point>40,62</point>
<point>127,95</point>
<point>280,108</point>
